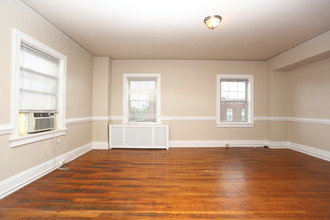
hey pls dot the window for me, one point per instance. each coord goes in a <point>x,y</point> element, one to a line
<point>142,98</point>
<point>39,89</point>
<point>234,100</point>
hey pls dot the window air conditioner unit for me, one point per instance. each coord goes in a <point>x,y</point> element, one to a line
<point>40,121</point>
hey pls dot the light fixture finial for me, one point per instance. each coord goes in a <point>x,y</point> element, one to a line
<point>212,21</point>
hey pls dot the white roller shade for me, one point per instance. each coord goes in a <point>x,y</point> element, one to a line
<point>38,80</point>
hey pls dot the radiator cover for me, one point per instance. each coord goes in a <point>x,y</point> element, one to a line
<point>138,136</point>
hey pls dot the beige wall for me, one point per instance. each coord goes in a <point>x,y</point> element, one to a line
<point>14,14</point>
<point>309,98</point>
<point>101,99</point>
<point>188,88</point>
<point>277,104</point>
<point>301,91</point>
<point>310,90</point>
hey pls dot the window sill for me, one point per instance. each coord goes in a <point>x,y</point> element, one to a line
<point>235,125</point>
<point>30,138</point>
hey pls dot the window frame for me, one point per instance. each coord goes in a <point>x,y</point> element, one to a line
<point>126,77</point>
<point>18,38</point>
<point>250,115</point>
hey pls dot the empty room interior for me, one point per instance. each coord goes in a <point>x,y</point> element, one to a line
<point>164,109</point>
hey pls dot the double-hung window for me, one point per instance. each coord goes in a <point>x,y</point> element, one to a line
<point>39,90</point>
<point>141,98</point>
<point>234,100</point>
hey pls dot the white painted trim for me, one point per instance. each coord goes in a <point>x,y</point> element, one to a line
<point>278,144</point>
<point>5,129</point>
<point>198,118</point>
<point>31,138</point>
<point>101,118</point>
<point>312,151</point>
<point>235,125</point>
<point>218,143</point>
<point>100,145</point>
<point>265,118</point>
<point>20,180</point>
<point>310,120</point>
<point>188,118</point>
<point>70,121</point>
<point>116,118</point>
<point>295,119</point>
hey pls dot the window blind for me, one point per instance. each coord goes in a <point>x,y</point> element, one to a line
<point>38,80</point>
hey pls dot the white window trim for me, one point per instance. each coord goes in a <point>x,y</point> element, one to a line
<point>125,96</point>
<point>16,140</point>
<point>250,122</point>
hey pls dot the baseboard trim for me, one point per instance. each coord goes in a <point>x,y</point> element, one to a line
<point>278,144</point>
<point>312,151</point>
<point>218,143</point>
<point>100,146</point>
<point>22,179</point>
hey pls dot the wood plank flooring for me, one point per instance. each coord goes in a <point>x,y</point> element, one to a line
<point>180,183</point>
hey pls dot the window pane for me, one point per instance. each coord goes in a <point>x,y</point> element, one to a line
<point>232,86</point>
<point>224,95</point>
<point>151,85</point>
<point>229,114</point>
<point>233,111</point>
<point>233,90</point>
<point>243,116</point>
<point>224,86</point>
<point>134,85</point>
<point>241,86</point>
<point>241,95</point>
<point>232,95</point>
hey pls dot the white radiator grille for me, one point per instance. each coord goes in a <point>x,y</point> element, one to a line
<point>134,136</point>
<point>159,136</point>
<point>117,134</point>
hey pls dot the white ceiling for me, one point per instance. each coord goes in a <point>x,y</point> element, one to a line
<point>174,29</point>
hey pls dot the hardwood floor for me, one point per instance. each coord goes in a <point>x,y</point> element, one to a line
<point>180,183</point>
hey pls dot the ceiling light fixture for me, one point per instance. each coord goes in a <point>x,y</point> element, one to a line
<point>212,21</point>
